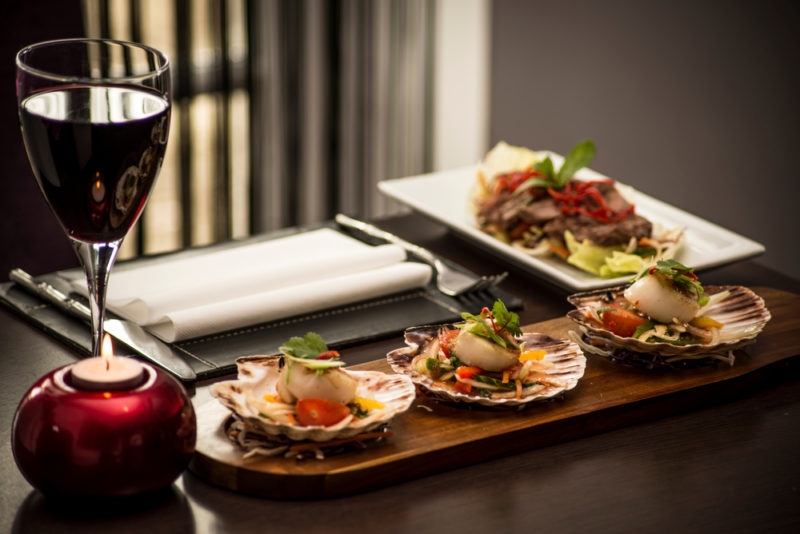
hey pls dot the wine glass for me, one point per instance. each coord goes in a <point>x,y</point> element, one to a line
<point>95,119</point>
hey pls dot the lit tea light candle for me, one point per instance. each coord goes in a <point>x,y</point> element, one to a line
<point>107,372</point>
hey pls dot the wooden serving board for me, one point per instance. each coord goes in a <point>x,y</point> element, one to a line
<point>433,437</point>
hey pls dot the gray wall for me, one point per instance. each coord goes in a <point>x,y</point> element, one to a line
<point>695,103</point>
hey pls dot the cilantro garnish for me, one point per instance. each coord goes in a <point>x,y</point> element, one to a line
<point>309,346</point>
<point>433,365</point>
<point>358,411</point>
<point>491,324</point>
<point>307,350</point>
<point>580,156</point>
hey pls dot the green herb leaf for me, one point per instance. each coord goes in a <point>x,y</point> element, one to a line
<point>679,274</point>
<point>503,319</point>
<point>306,349</point>
<point>357,411</point>
<point>507,319</point>
<point>482,328</point>
<point>433,365</point>
<point>642,328</point>
<point>496,382</point>
<point>546,167</point>
<point>579,157</point>
<point>310,346</point>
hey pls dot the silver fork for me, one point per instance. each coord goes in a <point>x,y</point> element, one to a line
<point>448,280</point>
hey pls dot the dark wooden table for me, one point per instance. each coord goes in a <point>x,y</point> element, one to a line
<point>726,466</point>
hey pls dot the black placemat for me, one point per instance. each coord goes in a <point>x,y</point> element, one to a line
<point>214,355</point>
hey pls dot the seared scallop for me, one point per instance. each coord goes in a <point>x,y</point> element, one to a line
<point>299,382</point>
<point>658,298</point>
<point>478,351</point>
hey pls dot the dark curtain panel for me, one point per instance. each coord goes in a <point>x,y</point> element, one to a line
<point>341,99</point>
<point>30,235</point>
<point>285,111</point>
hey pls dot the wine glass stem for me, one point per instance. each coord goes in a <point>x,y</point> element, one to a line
<point>97,259</point>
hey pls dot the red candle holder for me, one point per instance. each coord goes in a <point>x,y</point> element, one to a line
<point>78,442</point>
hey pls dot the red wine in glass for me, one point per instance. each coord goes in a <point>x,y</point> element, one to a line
<point>95,121</point>
<point>96,152</point>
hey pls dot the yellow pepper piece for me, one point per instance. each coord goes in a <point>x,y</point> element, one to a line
<point>368,404</point>
<point>705,322</point>
<point>269,398</point>
<point>532,355</point>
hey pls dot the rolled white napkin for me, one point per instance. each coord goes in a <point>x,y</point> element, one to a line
<point>185,297</point>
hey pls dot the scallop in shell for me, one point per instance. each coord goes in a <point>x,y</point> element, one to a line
<point>568,365</point>
<point>742,313</point>
<point>257,380</point>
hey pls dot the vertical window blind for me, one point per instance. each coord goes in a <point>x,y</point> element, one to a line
<point>284,112</point>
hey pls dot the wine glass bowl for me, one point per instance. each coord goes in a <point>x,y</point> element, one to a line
<point>95,119</point>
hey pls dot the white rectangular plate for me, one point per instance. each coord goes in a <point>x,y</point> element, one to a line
<point>444,196</point>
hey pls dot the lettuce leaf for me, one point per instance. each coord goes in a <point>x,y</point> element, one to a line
<point>620,263</point>
<point>607,262</point>
<point>584,255</point>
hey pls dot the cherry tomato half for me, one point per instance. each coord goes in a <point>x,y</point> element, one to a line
<point>622,322</point>
<point>320,412</point>
<point>466,372</point>
<point>446,341</point>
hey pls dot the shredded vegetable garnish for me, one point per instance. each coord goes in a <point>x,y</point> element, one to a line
<point>498,327</point>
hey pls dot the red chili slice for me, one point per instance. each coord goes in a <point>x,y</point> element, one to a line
<point>584,198</point>
<point>327,355</point>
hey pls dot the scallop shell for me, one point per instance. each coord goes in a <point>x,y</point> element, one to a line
<point>567,357</point>
<point>258,376</point>
<point>740,310</point>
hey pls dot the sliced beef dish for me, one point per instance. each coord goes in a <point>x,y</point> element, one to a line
<point>603,234</point>
<point>506,211</point>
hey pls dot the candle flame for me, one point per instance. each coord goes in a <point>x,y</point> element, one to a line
<point>107,351</point>
<point>98,190</point>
